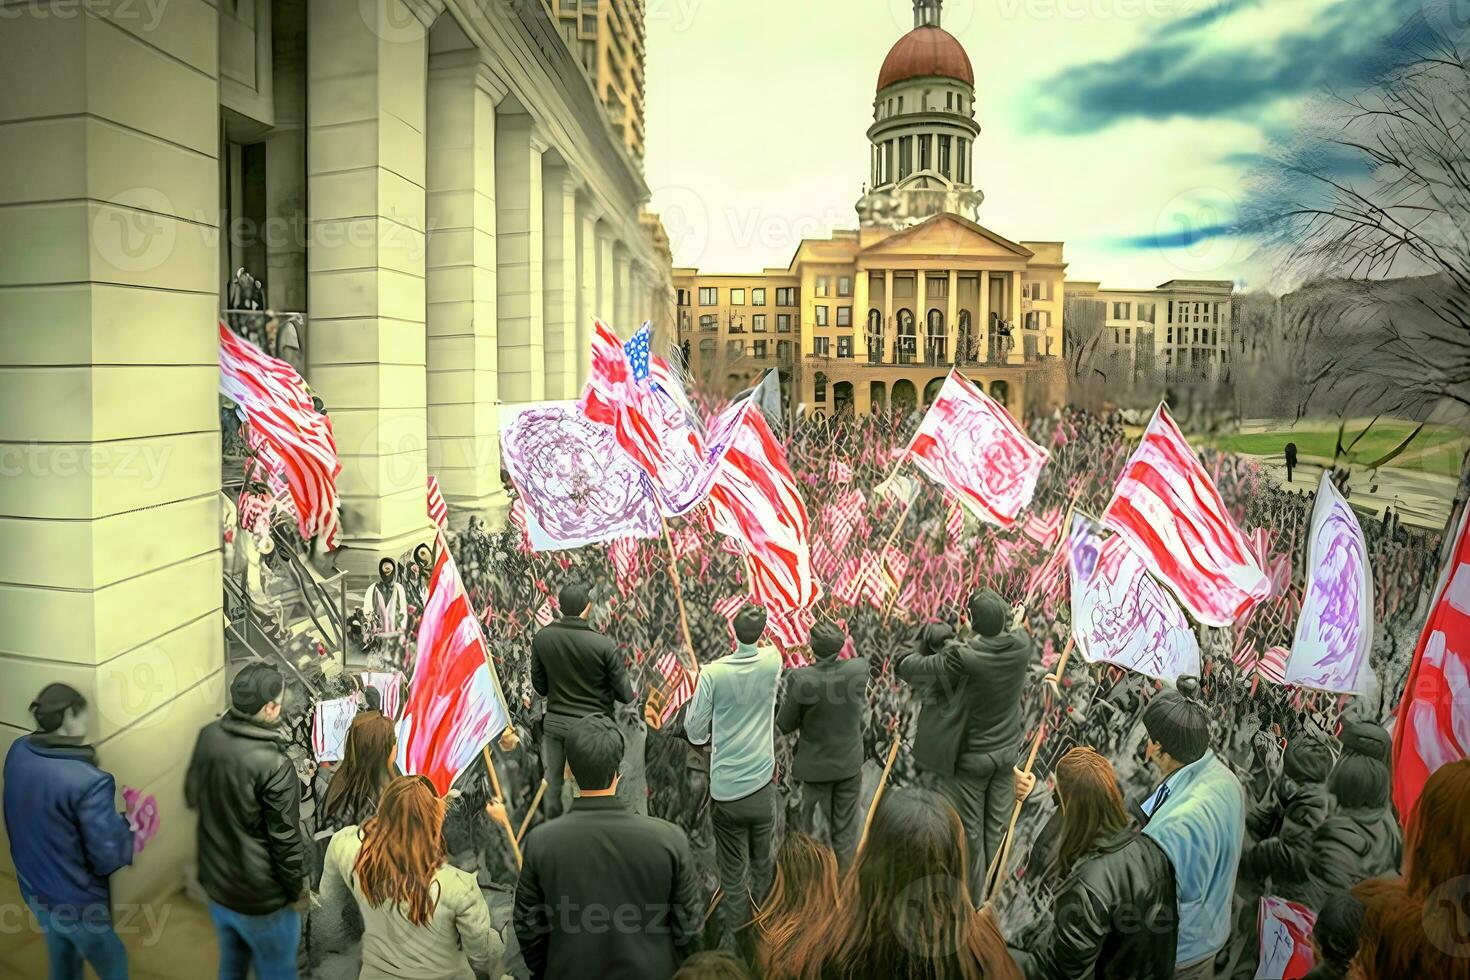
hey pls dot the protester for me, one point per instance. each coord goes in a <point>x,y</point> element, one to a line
<point>579,672</point>
<point>1361,839</point>
<point>733,709</point>
<point>66,837</point>
<point>982,721</point>
<point>420,572</point>
<point>903,911</point>
<point>806,879</point>
<point>1116,912</point>
<point>824,703</point>
<point>1335,937</point>
<point>252,860</point>
<point>714,964</point>
<point>366,768</point>
<point>603,891</point>
<point>1197,815</point>
<point>1414,926</point>
<point>385,607</point>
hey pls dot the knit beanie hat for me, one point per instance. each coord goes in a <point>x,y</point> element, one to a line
<point>1308,760</point>
<point>827,640</point>
<point>1366,738</point>
<point>988,613</point>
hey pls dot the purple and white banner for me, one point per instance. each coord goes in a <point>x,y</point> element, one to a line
<point>1335,630</point>
<point>579,488</point>
<point>1120,614</point>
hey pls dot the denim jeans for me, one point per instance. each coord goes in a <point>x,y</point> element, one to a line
<point>74,935</point>
<point>266,942</point>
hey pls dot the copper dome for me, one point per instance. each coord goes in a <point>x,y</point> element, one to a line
<point>926,52</point>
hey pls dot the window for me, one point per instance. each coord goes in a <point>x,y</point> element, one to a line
<point>844,285</point>
<point>1170,313</point>
<point>1216,308</point>
<point>1146,312</point>
<point>925,152</point>
<point>949,101</point>
<point>824,285</point>
<point>936,287</point>
<point>844,346</point>
<point>1169,335</point>
<point>905,156</point>
<point>1032,320</point>
<point>961,174</point>
<point>683,297</point>
<point>758,297</point>
<point>903,287</point>
<point>944,145</point>
<point>734,349</point>
<point>1121,311</point>
<point>707,322</point>
<point>821,312</point>
<point>844,316</point>
<point>1214,338</point>
<point>708,296</point>
<point>819,387</point>
<point>589,23</point>
<point>1127,335</point>
<point>783,322</point>
<point>758,323</point>
<point>822,346</point>
<point>758,348</point>
<point>900,104</point>
<point>786,296</point>
<point>783,351</point>
<point>706,352</point>
<point>737,297</point>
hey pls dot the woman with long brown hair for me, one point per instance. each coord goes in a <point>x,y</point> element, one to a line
<point>806,880</point>
<point>905,911</point>
<point>355,783</point>
<point>1414,925</point>
<point>420,916</point>
<point>1115,911</point>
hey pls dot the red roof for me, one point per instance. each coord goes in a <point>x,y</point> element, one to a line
<point>926,52</point>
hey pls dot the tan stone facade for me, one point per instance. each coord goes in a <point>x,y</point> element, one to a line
<point>434,185</point>
<point>609,38</point>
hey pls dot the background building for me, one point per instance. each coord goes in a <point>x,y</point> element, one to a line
<point>608,37</point>
<point>432,184</point>
<point>1183,330</point>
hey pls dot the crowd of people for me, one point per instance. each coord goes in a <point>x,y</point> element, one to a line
<point>734,836</point>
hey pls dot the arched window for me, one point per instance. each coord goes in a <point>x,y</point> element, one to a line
<point>904,396</point>
<point>1000,391</point>
<point>907,344</point>
<point>819,388</point>
<point>966,351</point>
<point>842,398</point>
<point>935,343</point>
<point>931,390</point>
<point>875,337</point>
<point>877,395</point>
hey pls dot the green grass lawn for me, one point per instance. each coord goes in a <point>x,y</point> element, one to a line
<point>1437,449</point>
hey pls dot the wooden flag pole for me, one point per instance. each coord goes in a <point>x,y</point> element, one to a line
<point>693,661</point>
<point>877,795</point>
<point>714,902</point>
<point>515,845</point>
<point>535,802</point>
<point>887,543</point>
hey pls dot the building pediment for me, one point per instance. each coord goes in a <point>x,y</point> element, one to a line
<point>941,235</point>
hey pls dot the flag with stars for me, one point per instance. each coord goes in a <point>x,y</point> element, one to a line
<point>638,350</point>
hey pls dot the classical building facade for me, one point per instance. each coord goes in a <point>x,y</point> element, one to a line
<point>877,316</point>
<point>432,184</point>
<point>1182,330</point>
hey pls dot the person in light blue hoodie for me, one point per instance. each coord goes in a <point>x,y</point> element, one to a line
<point>734,709</point>
<point>1197,815</point>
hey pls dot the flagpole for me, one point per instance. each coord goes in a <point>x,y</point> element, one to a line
<point>878,794</point>
<point>531,812</point>
<point>693,661</point>
<point>510,835</point>
<point>892,535</point>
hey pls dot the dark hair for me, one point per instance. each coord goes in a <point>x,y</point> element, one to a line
<point>988,613</point>
<point>594,749</point>
<point>713,964</point>
<point>51,705</point>
<point>750,623</point>
<point>1359,782</point>
<point>1339,923</point>
<point>256,686</point>
<point>1179,725</point>
<point>365,770</point>
<point>827,640</point>
<point>572,599</point>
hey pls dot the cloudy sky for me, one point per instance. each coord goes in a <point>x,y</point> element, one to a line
<point>1125,128</point>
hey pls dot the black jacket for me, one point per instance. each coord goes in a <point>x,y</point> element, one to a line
<point>578,670</point>
<point>1116,915</point>
<point>1352,846</point>
<point>825,703</point>
<point>1284,854</point>
<point>607,893</point>
<point>251,856</point>
<point>971,695</point>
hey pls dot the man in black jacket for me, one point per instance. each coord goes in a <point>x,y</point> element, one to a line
<point>604,892</point>
<point>972,687</point>
<point>579,672</point>
<point>252,861</point>
<point>825,704</point>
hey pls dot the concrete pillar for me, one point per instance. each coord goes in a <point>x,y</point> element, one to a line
<point>461,337</point>
<point>367,81</point>
<point>860,306</point>
<point>109,428</point>
<point>982,319</point>
<point>587,298</point>
<point>518,243</point>
<point>890,320</point>
<point>623,291</point>
<point>951,318</point>
<point>921,319</point>
<point>606,294</point>
<point>1013,303</point>
<point>559,270</point>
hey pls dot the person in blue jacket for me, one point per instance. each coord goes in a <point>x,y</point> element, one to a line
<point>67,837</point>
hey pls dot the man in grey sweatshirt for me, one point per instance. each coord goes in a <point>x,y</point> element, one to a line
<point>733,708</point>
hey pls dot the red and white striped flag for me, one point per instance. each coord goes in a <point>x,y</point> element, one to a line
<point>791,630</point>
<point>438,509</point>
<point>678,685</point>
<point>1167,509</point>
<point>286,430</point>
<point>1432,725</point>
<point>546,612</point>
<point>896,563</point>
<point>839,472</point>
<point>848,586</point>
<point>969,444</point>
<point>1270,665</point>
<point>727,608</point>
<point>755,500</point>
<point>517,520</point>
<point>1043,528</point>
<point>624,555</point>
<point>842,517</point>
<point>954,521</point>
<point>455,704</point>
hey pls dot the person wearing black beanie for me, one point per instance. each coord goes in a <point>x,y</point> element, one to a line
<point>1362,838</point>
<point>824,704</point>
<point>1366,738</point>
<point>1283,853</point>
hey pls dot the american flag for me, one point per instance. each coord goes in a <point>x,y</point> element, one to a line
<point>624,555</point>
<point>727,608</point>
<point>791,630</point>
<point>848,585</point>
<point>755,500</point>
<point>896,562</point>
<point>1433,718</point>
<point>517,520</point>
<point>1043,528</point>
<point>1166,507</point>
<point>1271,664</point>
<point>842,517</point>
<point>969,444</point>
<point>438,510</point>
<point>839,472</point>
<point>678,686</point>
<point>286,429</point>
<point>638,351</point>
<point>954,522</point>
<point>613,398</point>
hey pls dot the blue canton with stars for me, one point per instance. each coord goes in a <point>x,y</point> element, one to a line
<point>637,350</point>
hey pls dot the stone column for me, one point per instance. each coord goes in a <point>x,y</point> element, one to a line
<point>587,297</point>
<point>921,319</point>
<point>860,305</point>
<point>951,318</point>
<point>605,292</point>
<point>365,112</point>
<point>518,244</point>
<point>109,373</point>
<point>462,352</point>
<point>559,290</point>
<point>982,318</point>
<point>623,291</point>
<point>890,320</point>
<point>1013,303</point>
